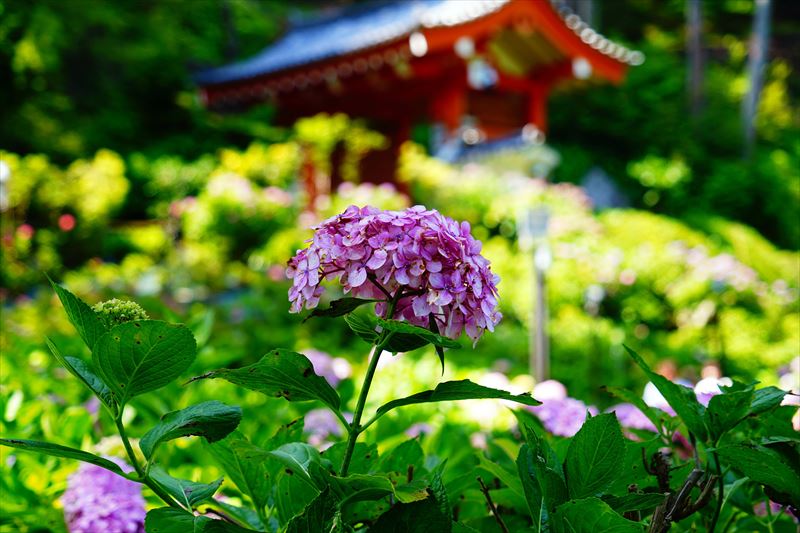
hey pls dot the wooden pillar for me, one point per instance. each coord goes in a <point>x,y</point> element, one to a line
<point>537,105</point>
<point>450,104</point>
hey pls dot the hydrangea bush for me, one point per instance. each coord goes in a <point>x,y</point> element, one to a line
<point>413,278</point>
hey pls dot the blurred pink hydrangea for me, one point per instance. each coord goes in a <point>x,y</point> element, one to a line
<point>99,501</point>
<point>432,259</point>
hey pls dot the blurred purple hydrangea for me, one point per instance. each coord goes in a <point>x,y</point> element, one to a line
<point>631,417</point>
<point>320,425</point>
<point>432,258</point>
<point>99,501</point>
<point>333,369</point>
<point>559,414</point>
<point>562,417</point>
<point>420,428</point>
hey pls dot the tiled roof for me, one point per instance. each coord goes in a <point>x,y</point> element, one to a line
<point>371,24</point>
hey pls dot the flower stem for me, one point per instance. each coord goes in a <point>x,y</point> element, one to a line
<point>355,429</point>
<point>143,477</point>
<point>720,493</point>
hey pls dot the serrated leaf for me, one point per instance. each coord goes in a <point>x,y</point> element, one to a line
<point>682,399</point>
<point>250,476</point>
<point>765,466</point>
<point>171,520</point>
<point>362,327</point>
<point>321,515</point>
<point>406,337</point>
<point>725,411</point>
<point>187,493</point>
<point>141,356</point>
<point>457,390</point>
<point>56,450</point>
<point>84,372</point>
<point>86,322</point>
<point>595,456</point>
<point>439,491</point>
<point>542,480</point>
<point>341,307</point>
<point>213,420</point>
<point>281,374</point>
<point>590,515</point>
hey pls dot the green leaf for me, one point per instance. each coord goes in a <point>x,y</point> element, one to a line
<point>766,399</point>
<point>456,390</point>
<point>56,450</point>
<point>364,459</point>
<point>363,327</point>
<point>281,374</point>
<point>439,491</point>
<point>406,337</point>
<point>296,457</point>
<point>141,356</point>
<point>725,411</point>
<point>595,456</point>
<point>362,487</point>
<point>404,455</point>
<point>418,517</point>
<point>435,328</point>
<point>765,466</point>
<point>187,493</point>
<point>644,502</point>
<point>171,520</point>
<point>213,420</point>
<point>320,516</point>
<point>84,372</point>
<point>244,515</point>
<point>251,476</point>
<point>80,315</point>
<point>591,515</point>
<point>682,399</point>
<point>340,307</point>
<point>543,487</point>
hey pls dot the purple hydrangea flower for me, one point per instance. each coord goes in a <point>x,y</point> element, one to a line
<point>631,417</point>
<point>320,424</point>
<point>562,416</point>
<point>333,369</point>
<point>99,501</point>
<point>434,260</point>
<point>420,428</point>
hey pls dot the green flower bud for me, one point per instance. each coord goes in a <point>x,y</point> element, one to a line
<point>114,311</point>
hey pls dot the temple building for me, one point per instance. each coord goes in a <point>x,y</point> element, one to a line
<point>478,72</point>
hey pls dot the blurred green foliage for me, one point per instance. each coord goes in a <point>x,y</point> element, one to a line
<point>644,135</point>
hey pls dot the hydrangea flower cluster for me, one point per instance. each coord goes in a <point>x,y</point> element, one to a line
<point>99,501</point>
<point>559,414</point>
<point>432,259</point>
<point>114,311</point>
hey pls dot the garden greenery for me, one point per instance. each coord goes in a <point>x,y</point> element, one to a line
<point>424,275</point>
